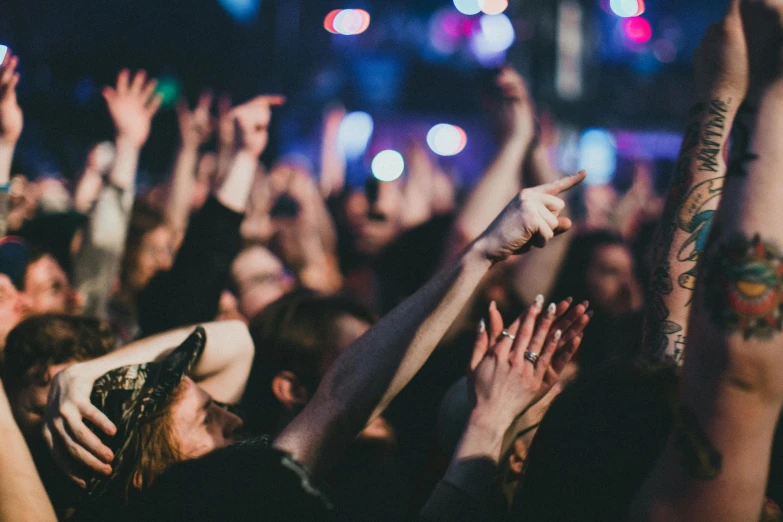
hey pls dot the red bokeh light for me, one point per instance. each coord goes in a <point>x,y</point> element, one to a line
<point>638,30</point>
<point>329,21</point>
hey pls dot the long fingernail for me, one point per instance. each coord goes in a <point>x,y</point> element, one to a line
<point>482,326</point>
<point>590,314</point>
<point>569,300</point>
<point>586,303</point>
<point>558,334</point>
<point>493,305</point>
<point>551,310</point>
<point>539,302</point>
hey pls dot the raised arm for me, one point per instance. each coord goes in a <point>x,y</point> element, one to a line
<point>365,379</point>
<point>503,178</point>
<point>22,495</point>
<point>222,371</point>
<point>195,128</point>
<point>11,122</point>
<point>721,75</point>
<point>716,462</point>
<point>132,104</point>
<point>190,292</point>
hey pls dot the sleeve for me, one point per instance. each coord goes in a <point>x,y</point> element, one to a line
<point>97,263</point>
<point>190,292</point>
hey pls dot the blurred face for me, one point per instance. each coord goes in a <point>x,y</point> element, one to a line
<point>611,283</point>
<point>373,235</point>
<point>47,290</point>
<point>10,307</point>
<point>199,425</point>
<point>155,255</point>
<point>260,278</point>
<point>29,403</point>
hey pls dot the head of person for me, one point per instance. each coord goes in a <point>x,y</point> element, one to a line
<point>148,248</point>
<point>599,267</point>
<point>259,278</point>
<point>372,216</point>
<point>297,339</point>
<point>162,417</point>
<point>40,347</point>
<point>47,289</point>
<point>14,255</point>
<point>597,443</point>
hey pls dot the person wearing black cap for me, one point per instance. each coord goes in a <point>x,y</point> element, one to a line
<point>251,480</point>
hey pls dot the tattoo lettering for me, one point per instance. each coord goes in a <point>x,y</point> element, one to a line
<point>744,292</point>
<point>711,140</point>
<point>679,348</point>
<point>693,447</point>
<point>696,220</point>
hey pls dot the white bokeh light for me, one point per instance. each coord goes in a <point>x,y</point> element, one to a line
<point>469,7</point>
<point>446,140</point>
<point>354,134</point>
<point>496,36</point>
<point>388,165</point>
<point>625,8</point>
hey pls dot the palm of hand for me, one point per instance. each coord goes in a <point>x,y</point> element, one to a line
<point>130,118</point>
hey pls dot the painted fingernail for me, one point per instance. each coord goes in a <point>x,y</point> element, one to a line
<point>586,303</point>
<point>482,326</point>
<point>558,334</point>
<point>569,300</point>
<point>539,302</point>
<point>590,314</point>
<point>493,305</point>
<point>551,310</point>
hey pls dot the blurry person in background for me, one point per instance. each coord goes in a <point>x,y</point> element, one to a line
<point>259,278</point>
<point>14,255</point>
<point>600,268</point>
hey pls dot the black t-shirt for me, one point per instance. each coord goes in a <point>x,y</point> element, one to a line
<point>245,482</point>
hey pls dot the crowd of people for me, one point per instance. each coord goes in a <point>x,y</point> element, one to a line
<point>244,344</point>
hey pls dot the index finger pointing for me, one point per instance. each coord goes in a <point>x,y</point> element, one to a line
<point>563,184</point>
<point>273,100</point>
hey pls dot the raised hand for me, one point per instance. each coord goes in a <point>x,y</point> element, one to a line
<point>511,369</point>
<point>11,119</point>
<point>196,126</point>
<point>530,219</point>
<point>763,23</point>
<point>516,113</point>
<point>225,125</point>
<point>72,443</point>
<point>721,60</point>
<point>252,120</point>
<point>132,105</point>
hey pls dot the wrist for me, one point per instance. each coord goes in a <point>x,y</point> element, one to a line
<point>478,253</point>
<point>127,144</point>
<point>492,425</point>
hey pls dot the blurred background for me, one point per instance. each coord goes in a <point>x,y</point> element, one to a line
<point>612,77</point>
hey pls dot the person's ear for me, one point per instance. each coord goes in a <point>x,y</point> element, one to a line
<point>288,390</point>
<point>137,480</point>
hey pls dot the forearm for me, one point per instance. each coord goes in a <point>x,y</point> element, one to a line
<point>87,190</point>
<point>181,188</point>
<point>686,223</point>
<point>500,182</point>
<point>6,158</point>
<point>731,393</point>
<point>234,190</point>
<point>22,495</point>
<point>126,162</point>
<point>228,354</point>
<point>378,365</point>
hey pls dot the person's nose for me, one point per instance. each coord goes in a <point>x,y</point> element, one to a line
<point>232,423</point>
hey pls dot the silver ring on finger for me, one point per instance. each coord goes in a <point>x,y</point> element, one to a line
<point>531,357</point>
<point>505,333</point>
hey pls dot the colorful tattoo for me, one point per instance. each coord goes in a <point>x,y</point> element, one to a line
<point>693,447</point>
<point>743,287</point>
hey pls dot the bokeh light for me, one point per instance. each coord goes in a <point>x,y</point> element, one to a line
<point>627,8</point>
<point>446,140</point>
<point>598,156</point>
<point>638,30</point>
<point>469,7</point>
<point>169,89</point>
<point>494,38</point>
<point>242,11</point>
<point>388,165</point>
<point>354,134</point>
<point>347,21</point>
<point>493,7</point>
<point>445,30</point>
<point>329,21</point>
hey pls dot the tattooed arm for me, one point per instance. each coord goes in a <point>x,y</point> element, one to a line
<point>716,462</point>
<point>721,74</point>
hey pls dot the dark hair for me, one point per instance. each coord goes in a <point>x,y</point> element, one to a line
<point>597,443</point>
<point>143,220</point>
<point>295,333</point>
<point>39,342</point>
<point>573,274</point>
